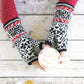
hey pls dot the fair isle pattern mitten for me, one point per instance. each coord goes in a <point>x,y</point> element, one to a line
<point>21,40</point>
<point>15,31</point>
<point>58,31</point>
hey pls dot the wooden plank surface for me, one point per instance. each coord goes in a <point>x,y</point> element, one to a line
<point>36,16</point>
<point>75,51</point>
<point>38,27</point>
<point>21,69</point>
<point>42,80</point>
<point>43,6</point>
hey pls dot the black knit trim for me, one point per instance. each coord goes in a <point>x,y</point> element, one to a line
<point>62,50</point>
<point>40,45</point>
<point>49,43</point>
<point>10,21</point>
<point>30,63</point>
<point>65,5</point>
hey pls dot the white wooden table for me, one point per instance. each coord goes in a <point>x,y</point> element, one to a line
<point>36,16</point>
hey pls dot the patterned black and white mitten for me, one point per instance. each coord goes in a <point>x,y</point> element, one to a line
<point>21,39</point>
<point>17,34</point>
<point>58,31</point>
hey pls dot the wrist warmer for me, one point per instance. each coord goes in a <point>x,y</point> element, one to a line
<point>58,30</point>
<point>21,40</point>
<point>15,31</point>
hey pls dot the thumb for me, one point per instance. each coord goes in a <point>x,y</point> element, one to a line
<point>45,45</point>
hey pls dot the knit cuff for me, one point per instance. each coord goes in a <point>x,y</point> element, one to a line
<point>21,39</point>
<point>47,42</point>
<point>30,63</point>
<point>65,4</point>
<point>40,45</point>
<point>62,50</point>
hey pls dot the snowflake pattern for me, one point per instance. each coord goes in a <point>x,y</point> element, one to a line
<point>58,31</point>
<point>23,42</point>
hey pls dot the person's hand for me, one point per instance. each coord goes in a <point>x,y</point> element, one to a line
<point>62,53</point>
<point>45,45</point>
<point>36,63</point>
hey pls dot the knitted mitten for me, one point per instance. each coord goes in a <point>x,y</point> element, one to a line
<point>15,31</point>
<point>58,31</point>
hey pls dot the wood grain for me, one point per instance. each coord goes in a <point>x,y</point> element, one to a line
<point>36,16</point>
<point>42,80</point>
<point>21,69</point>
<point>75,51</point>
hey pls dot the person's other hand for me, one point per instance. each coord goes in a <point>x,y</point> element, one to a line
<point>62,53</point>
<point>45,45</point>
<point>36,63</point>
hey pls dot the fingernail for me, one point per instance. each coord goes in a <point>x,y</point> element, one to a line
<point>44,70</point>
<point>61,62</point>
